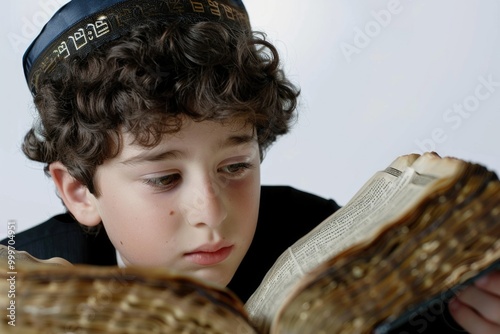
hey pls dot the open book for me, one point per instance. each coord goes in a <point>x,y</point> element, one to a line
<point>413,234</point>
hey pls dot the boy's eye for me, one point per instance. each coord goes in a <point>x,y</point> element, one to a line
<point>164,182</point>
<point>235,169</point>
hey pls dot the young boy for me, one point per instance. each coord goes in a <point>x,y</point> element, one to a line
<point>154,118</point>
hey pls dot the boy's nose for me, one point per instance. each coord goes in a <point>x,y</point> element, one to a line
<point>206,206</point>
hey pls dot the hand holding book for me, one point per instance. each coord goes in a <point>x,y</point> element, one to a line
<point>477,308</point>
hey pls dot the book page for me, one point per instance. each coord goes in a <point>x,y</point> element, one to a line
<point>386,195</point>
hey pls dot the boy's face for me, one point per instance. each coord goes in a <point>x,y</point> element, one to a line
<point>189,204</point>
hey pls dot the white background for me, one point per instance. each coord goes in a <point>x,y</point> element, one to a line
<point>378,80</point>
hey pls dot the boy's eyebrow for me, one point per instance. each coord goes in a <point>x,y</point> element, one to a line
<point>237,140</point>
<point>149,156</point>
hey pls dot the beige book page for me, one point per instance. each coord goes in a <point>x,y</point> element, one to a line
<point>24,258</point>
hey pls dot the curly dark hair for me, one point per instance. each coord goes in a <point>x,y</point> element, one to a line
<point>146,82</point>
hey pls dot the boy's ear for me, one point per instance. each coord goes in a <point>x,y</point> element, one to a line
<point>77,197</point>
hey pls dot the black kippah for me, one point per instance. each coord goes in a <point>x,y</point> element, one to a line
<point>83,25</point>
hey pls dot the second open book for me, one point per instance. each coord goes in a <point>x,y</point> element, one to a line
<point>411,234</point>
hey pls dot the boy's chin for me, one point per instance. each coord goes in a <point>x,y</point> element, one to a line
<point>211,275</point>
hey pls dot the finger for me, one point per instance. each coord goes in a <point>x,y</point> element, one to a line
<point>470,320</point>
<point>485,304</point>
<point>490,283</point>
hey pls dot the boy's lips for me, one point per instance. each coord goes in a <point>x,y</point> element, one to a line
<point>208,255</point>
